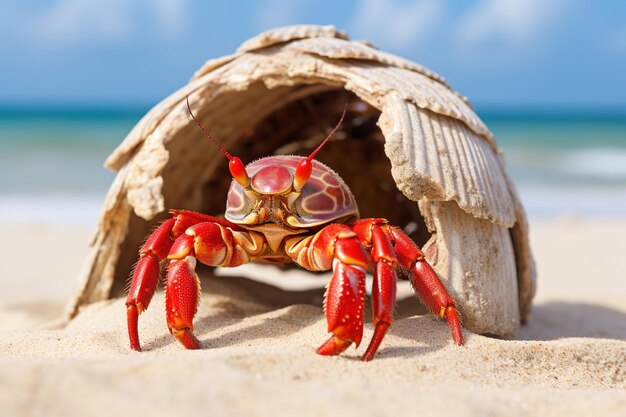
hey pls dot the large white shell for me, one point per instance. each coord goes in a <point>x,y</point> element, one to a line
<point>442,156</point>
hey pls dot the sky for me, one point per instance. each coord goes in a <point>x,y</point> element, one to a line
<point>500,53</point>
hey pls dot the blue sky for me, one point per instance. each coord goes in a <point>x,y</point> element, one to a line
<point>509,53</point>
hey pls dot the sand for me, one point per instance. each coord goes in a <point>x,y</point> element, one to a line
<point>258,357</point>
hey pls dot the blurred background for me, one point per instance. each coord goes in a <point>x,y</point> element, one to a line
<point>547,76</point>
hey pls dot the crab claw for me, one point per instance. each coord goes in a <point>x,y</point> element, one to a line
<point>181,300</point>
<point>333,346</point>
<point>345,297</point>
<point>143,285</point>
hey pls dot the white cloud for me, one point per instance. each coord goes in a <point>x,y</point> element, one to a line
<point>516,22</point>
<point>617,40</point>
<point>395,24</point>
<point>275,13</point>
<point>70,22</point>
<point>171,16</point>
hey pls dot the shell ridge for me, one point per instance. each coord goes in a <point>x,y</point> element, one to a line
<point>498,176</point>
<point>337,48</point>
<point>429,94</point>
<point>479,192</point>
<point>430,148</point>
<point>458,177</point>
<point>461,143</point>
<point>289,33</point>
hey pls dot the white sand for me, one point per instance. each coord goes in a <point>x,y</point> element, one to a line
<point>259,359</point>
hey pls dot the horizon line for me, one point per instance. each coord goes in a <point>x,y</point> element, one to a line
<point>99,109</point>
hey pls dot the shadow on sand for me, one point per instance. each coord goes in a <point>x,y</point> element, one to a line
<point>558,319</point>
<point>265,298</point>
<point>548,321</point>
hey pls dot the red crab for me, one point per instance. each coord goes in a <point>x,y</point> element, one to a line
<point>284,209</point>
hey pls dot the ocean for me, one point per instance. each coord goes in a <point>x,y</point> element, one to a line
<point>563,163</point>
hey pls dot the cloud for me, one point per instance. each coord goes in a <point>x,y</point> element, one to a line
<point>71,22</point>
<point>275,13</point>
<point>617,41</point>
<point>396,24</point>
<point>515,22</point>
<point>171,16</point>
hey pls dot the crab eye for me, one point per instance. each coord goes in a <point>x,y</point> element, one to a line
<point>238,171</point>
<point>303,173</point>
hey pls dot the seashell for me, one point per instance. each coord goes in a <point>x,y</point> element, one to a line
<point>413,151</point>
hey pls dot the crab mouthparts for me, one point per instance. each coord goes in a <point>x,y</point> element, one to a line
<point>271,209</point>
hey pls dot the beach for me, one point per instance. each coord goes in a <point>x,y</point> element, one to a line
<point>258,341</point>
<point>508,169</point>
<point>258,358</point>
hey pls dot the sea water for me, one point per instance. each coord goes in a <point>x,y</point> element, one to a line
<point>51,161</point>
<point>565,163</point>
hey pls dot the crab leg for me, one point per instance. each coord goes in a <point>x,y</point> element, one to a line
<point>383,289</point>
<point>338,246</point>
<point>146,276</point>
<point>212,244</point>
<point>425,281</point>
<point>146,272</point>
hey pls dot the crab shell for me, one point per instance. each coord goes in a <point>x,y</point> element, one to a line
<point>324,199</point>
<point>274,95</point>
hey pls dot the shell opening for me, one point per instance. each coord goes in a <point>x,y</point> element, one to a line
<point>196,176</point>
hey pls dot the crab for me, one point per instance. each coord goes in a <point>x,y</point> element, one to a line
<point>283,209</point>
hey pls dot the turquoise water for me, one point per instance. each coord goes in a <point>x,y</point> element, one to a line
<point>51,161</point>
<point>60,151</point>
<point>565,163</point>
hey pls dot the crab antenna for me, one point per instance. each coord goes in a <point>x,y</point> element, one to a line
<point>305,168</point>
<point>229,156</point>
<point>236,167</point>
<point>345,108</point>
